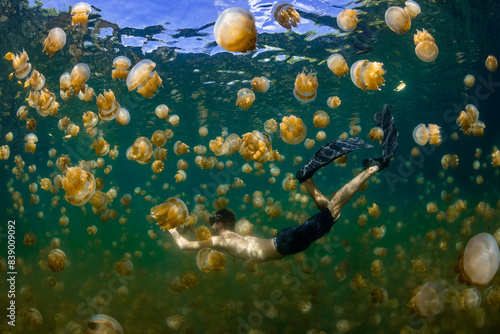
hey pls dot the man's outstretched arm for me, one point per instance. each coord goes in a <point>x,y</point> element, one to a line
<point>185,244</point>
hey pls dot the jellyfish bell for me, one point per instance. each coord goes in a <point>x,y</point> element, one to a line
<point>397,19</point>
<point>337,64</point>
<point>235,30</point>
<point>428,300</point>
<point>491,63</point>
<point>427,51</point>
<point>209,260</point>
<point>121,65</point>
<point>347,20</point>
<point>170,214</point>
<point>123,116</point>
<point>260,84</point>
<point>31,139</point>
<point>469,80</point>
<point>245,98</point>
<point>56,260</point>
<point>478,263</point>
<point>162,111</point>
<point>79,186</point>
<point>285,15</point>
<point>292,130</point>
<point>21,66</point>
<point>412,8</point>
<point>103,324</point>
<point>79,75</point>
<point>420,134</point>
<point>305,87</point>
<point>54,41</point>
<point>144,78</point>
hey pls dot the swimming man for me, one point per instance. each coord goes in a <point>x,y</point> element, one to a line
<point>296,239</point>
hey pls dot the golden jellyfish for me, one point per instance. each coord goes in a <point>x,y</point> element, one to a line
<point>141,151</point>
<point>56,260</point>
<point>209,260</point>
<point>66,90</point>
<point>467,118</point>
<point>79,186</point>
<point>203,233</point>
<point>321,119</point>
<point>426,48</point>
<point>478,263</point>
<point>495,157</point>
<point>86,94</point>
<point>36,80</point>
<point>243,227</point>
<point>397,19</point>
<point>174,120</point>
<point>256,146</point>
<point>121,65</point>
<point>63,162</point>
<point>270,126</point>
<point>337,64</point>
<point>347,19</point>
<point>54,41</point>
<point>72,130</point>
<point>144,78</point>
<point>305,87</point>
<point>423,134</point>
<point>378,232</point>
<point>449,160</point>
<point>162,111</point>
<point>21,66</point>
<point>123,116</point>
<point>31,139</point>
<point>103,324</point>
<point>124,267</point>
<point>203,132</point>
<point>175,321</point>
<point>245,98</point>
<point>100,146</point>
<point>477,129</point>
<point>491,63</point>
<point>367,75</point>
<point>412,8</point>
<point>180,176</point>
<point>375,212</point>
<point>79,76</point>
<point>378,296</point>
<point>333,102</point>
<point>285,15</point>
<point>376,134</point>
<point>180,148</point>
<point>428,300</point>
<point>170,214</point>
<point>309,143</point>
<point>44,101</point>
<point>469,300</point>
<point>22,112</point>
<point>292,130</point>
<point>260,84</point>
<point>4,152</point>
<point>80,13</point>
<point>469,80</point>
<point>321,135</point>
<point>33,318</point>
<point>235,30</point>
<point>159,138</point>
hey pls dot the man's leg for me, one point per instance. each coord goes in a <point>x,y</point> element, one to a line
<point>319,199</point>
<point>347,192</point>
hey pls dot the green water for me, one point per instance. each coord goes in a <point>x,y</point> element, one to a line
<point>286,296</point>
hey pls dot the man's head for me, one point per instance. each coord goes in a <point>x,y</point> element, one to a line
<point>222,220</point>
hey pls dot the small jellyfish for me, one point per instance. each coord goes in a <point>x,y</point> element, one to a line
<point>180,148</point>
<point>428,300</point>
<point>337,64</point>
<point>469,300</point>
<point>235,30</point>
<point>270,126</point>
<point>144,78</point>
<point>491,63</point>
<point>121,65</point>
<point>256,146</point>
<point>20,63</point>
<point>260,84</point>
<point>170,214</point>
<point>376,134</point>
<point>180,176</point>
<point>175,321</point>
<point>79,186</point>
<point>202,131</point>
<point>162,111</point>
<point>397,19</point>
<point>66,90</point>
<point>321,119</point>
<point>305,87</point>
<point>103,324</point>
<point>467,118</point>
<point>321,135</point>
<point>292,130</point>
<point>33,318</point>
<point>449,160</point>
<point>333,102</point>
<point>79,76</point>
<point>80,13</point>
<point>54,41</point>
<point>243,227</point>
<point>36,80</point>
<point>124,267</point>
<point>100,146</point>
<point>285,15</point>
<point>367,75</point>
<point>203,233</point>
<point>495,157</point>
<point>479,262</point>
<point>426,48</point>
<point>56,260</point>
<point>469,80</point>
<point>107,105</point>
<point>420,134</point>
<point>412,8</point>
<point>141,151</point>
<point>31,140</point>
<point>22,113</point>
<point>4,152</point>
<point>159,138</point>
<point>347,20</point>
<point>477,129</point>
<point>245,98</point>
<point>123,116</point>
<point>209,260</point>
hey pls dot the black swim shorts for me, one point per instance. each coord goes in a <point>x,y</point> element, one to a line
<point>296,239</point>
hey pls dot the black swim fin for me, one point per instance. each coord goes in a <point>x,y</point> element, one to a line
<point>329,152</point>
<point>385,121</point>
